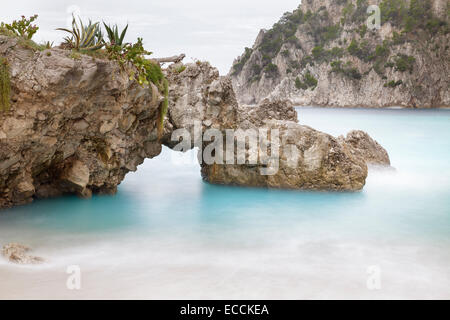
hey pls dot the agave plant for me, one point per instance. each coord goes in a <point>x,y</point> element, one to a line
<point>84,37</point>
<point>113,35</point>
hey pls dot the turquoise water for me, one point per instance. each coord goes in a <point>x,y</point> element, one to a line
<point>167,234</point>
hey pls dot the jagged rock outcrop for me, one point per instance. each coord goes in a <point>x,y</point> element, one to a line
<point>18,253</point>
<point>75,125</point>
<point>80,125</point>
<point>308,159</point>
<point>363,146</point>
<point>323,54</point>
<point>267,110</point>
<point>197,94</point>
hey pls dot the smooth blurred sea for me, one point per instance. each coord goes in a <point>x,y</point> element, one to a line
<point>167,234</point>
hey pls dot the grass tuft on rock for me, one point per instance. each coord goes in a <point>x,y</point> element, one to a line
<point>5,85</point>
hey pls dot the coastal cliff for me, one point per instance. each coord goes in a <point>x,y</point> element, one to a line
<point>324,54</point>
<point>77,124</point>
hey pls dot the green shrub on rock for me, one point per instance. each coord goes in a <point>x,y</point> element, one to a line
<point>309,81</point>
<point>404,63</point>
<point>346,70</point>
<point>5,85</point>
<point>22,28</point>
<point>393,84</point>
<point>271,70</point>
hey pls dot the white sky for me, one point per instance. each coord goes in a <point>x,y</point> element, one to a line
<point>211,30</point>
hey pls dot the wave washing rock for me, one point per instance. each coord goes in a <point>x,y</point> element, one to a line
<point>78,126</point>
<point>75,125</point>
<point>18,253</point>
<point>323,54</point>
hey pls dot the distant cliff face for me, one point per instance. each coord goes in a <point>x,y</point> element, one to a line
<point>323,54</point>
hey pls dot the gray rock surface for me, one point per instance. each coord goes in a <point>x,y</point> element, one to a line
<point>88,125</point>
<point>320,162</point>
<point>363,146</point>
<point>308,160</point>
<point>424,86</point>
<point>81,132</point>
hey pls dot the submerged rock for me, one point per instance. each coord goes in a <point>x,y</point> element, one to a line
<point>18,253</point>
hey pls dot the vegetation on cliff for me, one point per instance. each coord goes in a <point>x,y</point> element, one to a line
<point>309,81</point>
<point>87,38</point>
<point>413,22</point>
<point>82,37</point>
<point>22,28</point>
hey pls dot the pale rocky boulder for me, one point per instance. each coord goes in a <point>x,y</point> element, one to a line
<point>308,159</point>
<point>199,96</point>
<point>18,253</point>
<point>363,146</point>
<point>75,177</point>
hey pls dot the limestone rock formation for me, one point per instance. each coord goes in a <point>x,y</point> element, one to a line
<point>267,110</point>
<point>308,159</point>
<point>197,94</point>
<point>323,54</point>
<point>363,146</point>
<point>18,253</point>
<point>76,125</point>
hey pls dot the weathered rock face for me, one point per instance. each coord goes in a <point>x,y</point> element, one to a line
<point>363,146</point>
<point>302,158</point>
<point>18,253</point>
<point>199,95</point>
<point>308,159</point>
<point>75,125</point>
<point>267,110</point>
<point>78,126</point>
<point>328,42</point>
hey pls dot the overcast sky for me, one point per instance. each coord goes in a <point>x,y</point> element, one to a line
<point>211,30</point>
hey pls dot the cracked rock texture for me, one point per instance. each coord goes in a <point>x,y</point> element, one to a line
<point>362,145</point>
<point>79,126</point>
<point>75,126</point>
<point>309,159</point>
